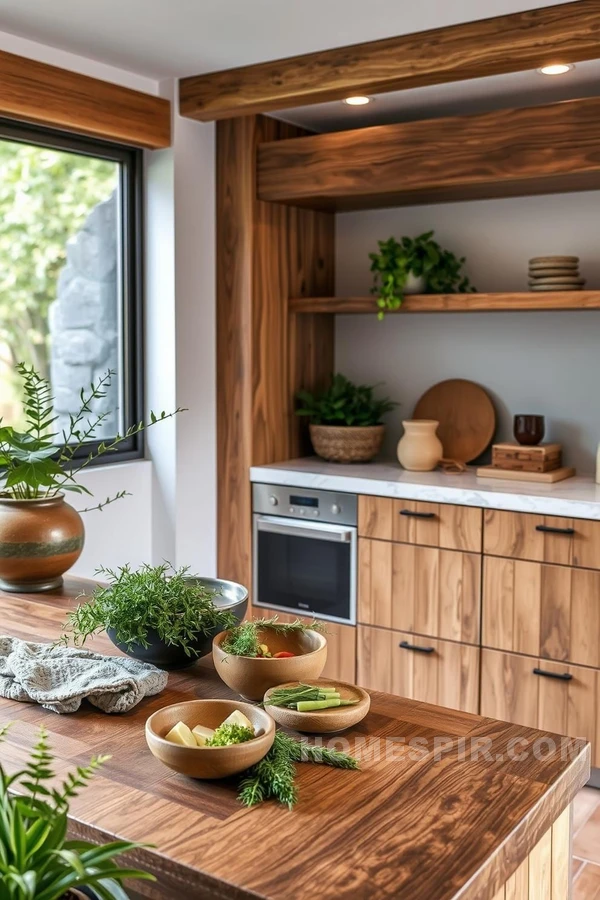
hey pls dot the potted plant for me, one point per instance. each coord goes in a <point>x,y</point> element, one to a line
<point>414,266</point>
<point>41,536</point>
<point>345,420</point>
<point>158,614</point>
<point>37,862</point>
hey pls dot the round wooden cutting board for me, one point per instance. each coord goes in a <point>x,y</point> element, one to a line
<point>466,415</point>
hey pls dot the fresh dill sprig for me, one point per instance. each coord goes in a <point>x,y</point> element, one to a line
<point>245,639</point>
<point>274,776</point>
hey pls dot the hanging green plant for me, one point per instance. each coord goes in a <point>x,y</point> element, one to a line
<point>398,262</point>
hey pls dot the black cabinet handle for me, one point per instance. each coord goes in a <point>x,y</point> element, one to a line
<point>406,646</point>
<point>416,515</point>
<point>562,676</point>
<point>548,529</point>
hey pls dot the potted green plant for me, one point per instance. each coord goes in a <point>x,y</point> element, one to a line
<point>41,536</point>
<point>37,862</point>
<point>345,420</point>
<point>160,615</point>
<point>414,266</point>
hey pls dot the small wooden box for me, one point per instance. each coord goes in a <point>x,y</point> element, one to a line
<point>518,458</point>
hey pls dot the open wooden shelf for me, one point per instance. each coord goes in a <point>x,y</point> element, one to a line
<point>429,303</point>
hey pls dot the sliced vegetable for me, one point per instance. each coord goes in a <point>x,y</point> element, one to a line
<point>312,705</point>
<point>283,654</point>
<point>289,696</point>
<point>202,734</point>
<point>181,734</point>
<point>237,717</point>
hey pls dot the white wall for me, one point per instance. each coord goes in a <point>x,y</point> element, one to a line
<point>530,362</point>
<point>172,511</point>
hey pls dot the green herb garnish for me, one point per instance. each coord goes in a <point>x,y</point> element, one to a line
<point>274,776</point>
<point>227,734</point>
<point>159,599</point>
<point>245,639</point>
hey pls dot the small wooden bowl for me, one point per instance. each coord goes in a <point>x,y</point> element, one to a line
<point>208,762</point>
<point>323,721</point>
<point>252,676</point>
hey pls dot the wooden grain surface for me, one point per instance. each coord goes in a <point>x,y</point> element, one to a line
<point>47,95</point>
<point>526,40</point>
<point>419,522</point>
<point>407,828</point>
<point>465,414</point>
<point>518,536</point>
<point>265,253</point>
<point>429,303</point>
<point>508,152</point>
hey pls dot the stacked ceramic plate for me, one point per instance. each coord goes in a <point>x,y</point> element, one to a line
<point>555,273</point>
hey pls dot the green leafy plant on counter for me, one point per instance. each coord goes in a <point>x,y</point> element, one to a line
<point>344,403</point>
<point>420,256</point>
<point>274,776</point>
<point>37,862</point>
<point>151,598</point>
<point>244,640</point>
<point>38,463</point>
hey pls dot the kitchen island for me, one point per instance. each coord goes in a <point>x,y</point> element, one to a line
<point>447,804</point>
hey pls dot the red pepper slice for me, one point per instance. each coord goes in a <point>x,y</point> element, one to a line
<point>283,654</point>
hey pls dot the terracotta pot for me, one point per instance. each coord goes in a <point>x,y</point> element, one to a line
<point>39,541</point>
<point>345,443</point>
<point>420,449</point>
<point>253,676</point>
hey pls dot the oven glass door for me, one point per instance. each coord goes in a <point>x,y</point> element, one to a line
<point>305,567</point>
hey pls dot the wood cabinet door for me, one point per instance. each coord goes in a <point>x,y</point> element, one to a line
<point>542,694</point>
<point>423,590</point>
<point>437,525</point>
<point>439,672</point>
<point>549,539</point>
<point>542,610</point>
<point>341,645</point>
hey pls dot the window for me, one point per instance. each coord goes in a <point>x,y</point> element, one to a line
<point>70,286</point>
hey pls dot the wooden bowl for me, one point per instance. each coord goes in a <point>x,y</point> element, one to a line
<point>252,676</point>
<point>208,762</point>
<point>323,721</point>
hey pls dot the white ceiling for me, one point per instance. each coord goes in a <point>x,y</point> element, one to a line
<point>170,38</point>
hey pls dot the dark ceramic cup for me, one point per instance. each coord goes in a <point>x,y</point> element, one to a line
<point>529,430</point>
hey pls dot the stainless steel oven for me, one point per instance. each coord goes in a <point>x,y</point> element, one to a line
<point>304,546</point>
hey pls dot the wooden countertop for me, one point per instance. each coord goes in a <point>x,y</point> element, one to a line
<point>407,826</point>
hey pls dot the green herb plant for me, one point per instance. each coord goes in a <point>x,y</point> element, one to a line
<point>227,734</point>
<point>274,776</point>
<point>307,698</point>
<point>151,598</point>
<point>344,403</point>
<point>39,463</point>
<point>37,862</point>
<point>244,640</point>
<point>421,256</point>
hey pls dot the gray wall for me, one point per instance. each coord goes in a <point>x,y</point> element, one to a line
<point>547,362</point>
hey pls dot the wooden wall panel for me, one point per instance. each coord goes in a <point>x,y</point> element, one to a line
<point>264,251</point>
<point>47,95</point>
<point>511,43</point>
<point>507,152</point>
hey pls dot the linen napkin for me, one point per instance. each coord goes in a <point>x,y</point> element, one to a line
<point>60,678</point>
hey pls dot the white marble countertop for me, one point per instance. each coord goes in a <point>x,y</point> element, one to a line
<point>577,497</point>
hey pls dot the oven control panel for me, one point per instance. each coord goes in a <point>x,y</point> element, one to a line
<point>301,503</point>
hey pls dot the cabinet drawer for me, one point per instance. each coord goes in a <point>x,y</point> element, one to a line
<point>550,539</point>
<point>542,610</point>
<point>419,589</point>
<point>341,645</point>
<point>439,672</point>
<point>510,690</point>
<point>414,522</point>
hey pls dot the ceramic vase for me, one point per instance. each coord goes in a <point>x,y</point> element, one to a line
<point>419,448</point>
<point>415,284</point>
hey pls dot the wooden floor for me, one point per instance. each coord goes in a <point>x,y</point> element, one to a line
<point>586,845</point>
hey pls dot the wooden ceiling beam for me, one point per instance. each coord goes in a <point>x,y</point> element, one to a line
<point>569,32</point>
<point>32,91</point>
<point>508,152</point>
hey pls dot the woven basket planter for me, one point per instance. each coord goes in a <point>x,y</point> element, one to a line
<point>346,444</point>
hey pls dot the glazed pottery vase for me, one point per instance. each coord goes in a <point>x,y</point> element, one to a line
<point>415,284</point>
<point>419,448</point>
<point>39,541</point>
<point>347,443</point>
<point>529,430</point>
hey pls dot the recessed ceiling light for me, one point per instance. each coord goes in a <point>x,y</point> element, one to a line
<point>557,69</point>
<point>357,101</point>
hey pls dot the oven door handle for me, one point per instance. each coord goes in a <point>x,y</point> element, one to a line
<point>316,530</point>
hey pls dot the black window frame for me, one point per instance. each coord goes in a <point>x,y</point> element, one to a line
<point>131,161</point>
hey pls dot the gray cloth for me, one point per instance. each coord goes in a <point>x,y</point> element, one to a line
<point>59,678</point>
